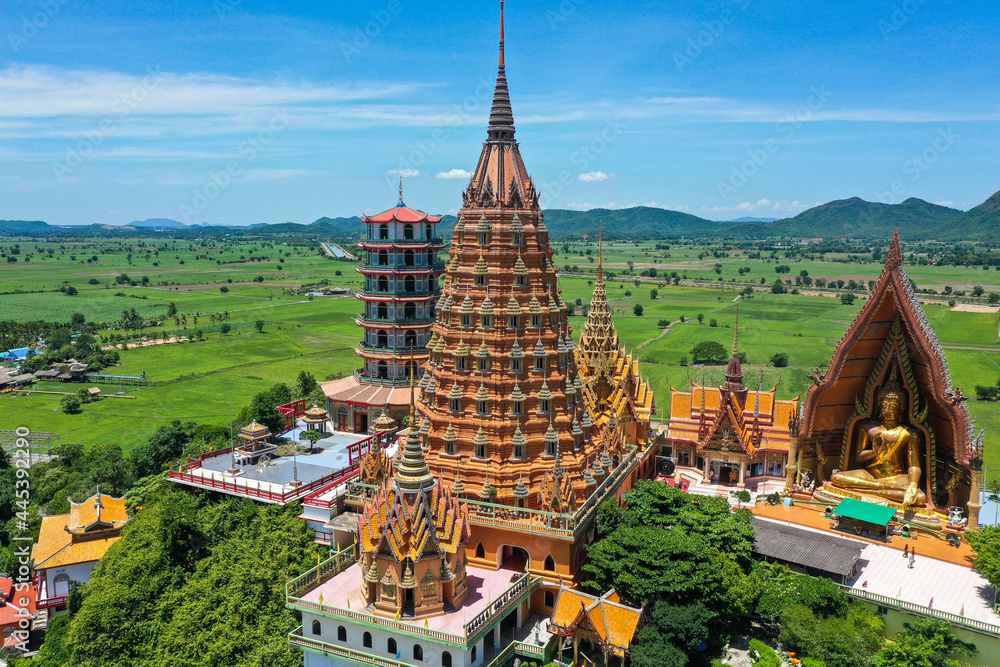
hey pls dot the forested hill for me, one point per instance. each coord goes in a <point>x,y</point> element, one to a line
<point>846,218</point>
<point>638,222</point>
<point>856,218</point>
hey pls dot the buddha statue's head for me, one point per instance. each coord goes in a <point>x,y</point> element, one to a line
<point>892,398</point>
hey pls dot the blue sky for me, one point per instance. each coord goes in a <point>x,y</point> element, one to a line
<point>246,111</point>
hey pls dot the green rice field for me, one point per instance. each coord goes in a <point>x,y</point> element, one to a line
<point>193,380</point>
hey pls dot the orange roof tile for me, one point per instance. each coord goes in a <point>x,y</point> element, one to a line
<point>110,511</point>
<point>614,623</point>
<point>69,539</point>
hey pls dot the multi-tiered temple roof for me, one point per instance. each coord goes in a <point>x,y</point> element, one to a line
<point>412,535</point>
<point>613,388</point>
<point>731,417</point>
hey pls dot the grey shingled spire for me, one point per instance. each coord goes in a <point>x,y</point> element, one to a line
<point>501,115</point>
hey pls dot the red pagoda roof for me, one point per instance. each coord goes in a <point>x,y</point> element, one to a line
<point>401,213</point>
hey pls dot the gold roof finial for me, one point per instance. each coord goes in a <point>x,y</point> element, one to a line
<point>600,252</point>
<point>736,332</point>
<point>413,393</point>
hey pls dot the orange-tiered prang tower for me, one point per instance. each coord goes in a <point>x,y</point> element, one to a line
<point>501,391</point>
<point>502,414</point>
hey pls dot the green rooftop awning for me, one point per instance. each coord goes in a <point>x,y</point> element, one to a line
<point>849,508</point>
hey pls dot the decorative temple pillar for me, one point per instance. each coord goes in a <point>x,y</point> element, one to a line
<point>742,463</point>
<point>791,465</point>
<point>974,504</point>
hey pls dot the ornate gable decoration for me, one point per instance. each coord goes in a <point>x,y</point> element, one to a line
<point>891,329</point>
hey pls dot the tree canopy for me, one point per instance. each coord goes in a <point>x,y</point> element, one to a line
<point>195,581</point>
<point>924,643</point>
<point>709,352</point>
<point>688,558</point>
<point>986,543</point>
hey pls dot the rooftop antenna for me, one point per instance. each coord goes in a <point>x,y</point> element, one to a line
<point>401,190</point>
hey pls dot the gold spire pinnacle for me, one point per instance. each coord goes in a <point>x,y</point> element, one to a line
<point>736,331</point>
<point>412,474</point>
<point>413,393</point>
<point>600,252</point>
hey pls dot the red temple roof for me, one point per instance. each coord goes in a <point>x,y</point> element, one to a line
<point>401,213</point>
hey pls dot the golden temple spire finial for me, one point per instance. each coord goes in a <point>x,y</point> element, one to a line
<point>413,407</point>
<point>600,252</point>
<point>736,332</point>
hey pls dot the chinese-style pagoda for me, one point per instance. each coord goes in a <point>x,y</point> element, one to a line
<point>401,273</point>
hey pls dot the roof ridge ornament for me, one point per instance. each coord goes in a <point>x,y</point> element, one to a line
<point>894,258</point>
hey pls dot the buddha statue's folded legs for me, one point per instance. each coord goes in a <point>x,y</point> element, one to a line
<point>892,488</point>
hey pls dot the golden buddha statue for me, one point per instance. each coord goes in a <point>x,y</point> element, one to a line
<point>891,451</point>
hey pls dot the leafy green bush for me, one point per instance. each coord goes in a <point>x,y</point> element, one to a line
<point>766,657</point>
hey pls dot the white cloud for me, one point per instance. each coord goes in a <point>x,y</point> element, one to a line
<point>593,177</point>
<point>31,91</point>
<point>764,208</point>
<point>949,204</point>
<point>454,174</point>
<point>405,173</point>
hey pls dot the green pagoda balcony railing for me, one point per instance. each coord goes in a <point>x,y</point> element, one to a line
<point>388,293</point>
<point>363,657</point>
<point>365,378</point>
<point>473,630</point>
<point>436,240</point>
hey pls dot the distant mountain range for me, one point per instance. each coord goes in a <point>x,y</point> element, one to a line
<point>846,218</point>
<point>748,219</point>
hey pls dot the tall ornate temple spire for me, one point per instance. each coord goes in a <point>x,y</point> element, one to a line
<point>413,475</point>
<point>501,114</point>
<point>736,332</point>
<point>501,33</point>
<point>500,178</point>
<point>734,372</point>
<point>502,250</point>
<point>600,253</point>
